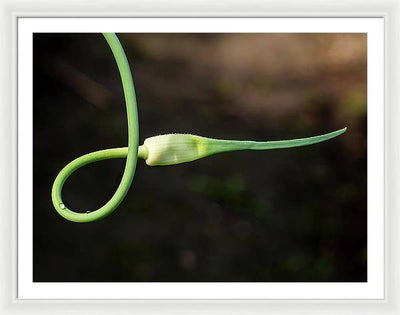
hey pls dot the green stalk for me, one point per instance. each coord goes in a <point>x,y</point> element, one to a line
<point>130,154</point>
<point>167,149</point>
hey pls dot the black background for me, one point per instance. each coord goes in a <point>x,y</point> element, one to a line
<point>285,215</point>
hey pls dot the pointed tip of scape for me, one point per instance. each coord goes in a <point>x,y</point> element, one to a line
<point>343,130</point>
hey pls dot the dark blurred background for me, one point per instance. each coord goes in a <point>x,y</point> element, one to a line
<point>286,215</point>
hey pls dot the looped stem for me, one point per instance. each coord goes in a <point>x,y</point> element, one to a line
<point>167,149</point>
<point>131,152</point>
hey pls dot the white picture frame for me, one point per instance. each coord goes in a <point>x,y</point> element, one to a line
<point>9,300</point>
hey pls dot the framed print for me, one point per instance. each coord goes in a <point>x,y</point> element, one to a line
<point>231,161</point>
<point>210,233</point>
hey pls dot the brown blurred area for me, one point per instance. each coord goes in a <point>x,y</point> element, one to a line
<point>286,215</point>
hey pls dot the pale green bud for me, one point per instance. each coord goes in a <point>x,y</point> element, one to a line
<point>173,149</point>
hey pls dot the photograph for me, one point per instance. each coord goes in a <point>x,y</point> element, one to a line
<point>230,157</point>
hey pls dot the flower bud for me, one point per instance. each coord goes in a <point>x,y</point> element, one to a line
<point>173,149</point>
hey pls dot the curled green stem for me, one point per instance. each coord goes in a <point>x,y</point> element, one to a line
<point>167,149</point>
<point>130,154</point>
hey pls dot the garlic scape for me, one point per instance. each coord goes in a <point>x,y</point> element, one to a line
<point>166,149</point>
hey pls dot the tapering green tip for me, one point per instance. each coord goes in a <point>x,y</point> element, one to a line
<point>176,148</point>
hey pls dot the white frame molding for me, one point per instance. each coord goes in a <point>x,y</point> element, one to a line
<point>9,12</point>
